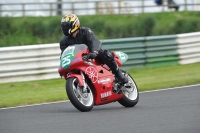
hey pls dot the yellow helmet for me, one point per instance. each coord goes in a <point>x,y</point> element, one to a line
<point>69,24</point>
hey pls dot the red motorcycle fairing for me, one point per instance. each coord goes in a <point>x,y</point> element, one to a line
<point>117,59</point>
<point>79,77</point>
<point>101,78</point>
<point>102,81</point>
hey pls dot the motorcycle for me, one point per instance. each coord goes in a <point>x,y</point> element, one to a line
<point>90,83</point>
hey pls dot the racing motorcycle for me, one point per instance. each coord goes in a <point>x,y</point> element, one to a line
<point>90,83</point>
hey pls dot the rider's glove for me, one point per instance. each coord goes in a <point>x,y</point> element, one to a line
<point>90,55</point>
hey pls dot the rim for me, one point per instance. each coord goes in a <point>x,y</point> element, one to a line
<point>84,98</point>
<point>131,93</point>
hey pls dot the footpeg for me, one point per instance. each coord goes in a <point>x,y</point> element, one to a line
<point>117,89</point>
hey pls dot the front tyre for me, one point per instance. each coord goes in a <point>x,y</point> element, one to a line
<point>83,101</point>
<point>131,94</point>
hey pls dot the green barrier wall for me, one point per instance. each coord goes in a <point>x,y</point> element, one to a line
<point>161,50</point>
<point>39,62</point>
<point>146,51</point>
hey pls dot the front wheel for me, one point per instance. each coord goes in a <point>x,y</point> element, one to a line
<point>83,101</point>
<point>131,94</point>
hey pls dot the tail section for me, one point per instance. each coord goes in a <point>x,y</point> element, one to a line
<point>121,56</point>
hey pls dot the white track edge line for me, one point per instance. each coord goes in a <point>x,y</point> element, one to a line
<point>35,104</point>
<point>180,87</point>
<point>68,100</point>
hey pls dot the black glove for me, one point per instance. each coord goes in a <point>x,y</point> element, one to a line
<point>90,55</point>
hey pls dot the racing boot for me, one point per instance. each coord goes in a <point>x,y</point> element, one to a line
<point>120,77</point>
<point>108,59</point>
<point>117,72</point>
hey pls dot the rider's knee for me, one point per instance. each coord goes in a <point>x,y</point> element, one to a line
<point>108,55</point>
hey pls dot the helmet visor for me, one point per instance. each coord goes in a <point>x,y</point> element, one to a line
<point>65,28</point>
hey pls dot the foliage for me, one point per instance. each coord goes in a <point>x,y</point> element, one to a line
<point>41,30</point>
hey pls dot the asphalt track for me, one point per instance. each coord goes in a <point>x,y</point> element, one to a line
<point>167,111</point>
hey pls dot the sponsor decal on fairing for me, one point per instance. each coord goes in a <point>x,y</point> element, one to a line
<point>104,80</point>
<point>92,73</point>
<point>76,60</point>
<point>106,94</point>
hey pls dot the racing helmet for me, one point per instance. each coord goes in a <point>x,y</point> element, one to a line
<point>69,24</point>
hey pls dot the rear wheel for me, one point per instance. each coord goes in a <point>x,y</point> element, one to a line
<point>131,94</point>
<point>83,101</point>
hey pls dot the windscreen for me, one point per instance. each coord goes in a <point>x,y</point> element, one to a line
<point>69,53</point>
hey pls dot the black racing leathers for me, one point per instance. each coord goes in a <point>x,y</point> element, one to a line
<point>86,36</point>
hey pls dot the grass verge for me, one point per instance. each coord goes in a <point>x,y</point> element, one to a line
<point>23,93</point>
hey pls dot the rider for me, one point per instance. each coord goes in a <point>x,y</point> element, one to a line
<point>74,34</point>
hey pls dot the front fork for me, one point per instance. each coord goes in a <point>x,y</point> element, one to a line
<point>84,83</point>
<point>81,80</point>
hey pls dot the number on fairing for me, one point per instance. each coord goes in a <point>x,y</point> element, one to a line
<point>121,55</point>
<point>66,61</point>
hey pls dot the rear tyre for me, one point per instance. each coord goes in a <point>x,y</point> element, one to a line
<point>131,95</point>
<point>83,101</point>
